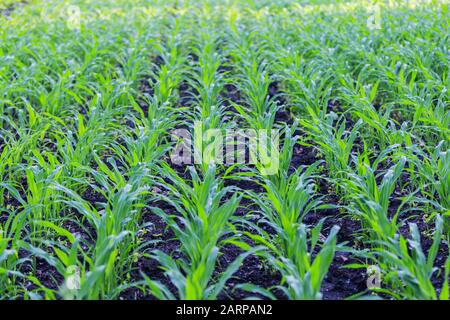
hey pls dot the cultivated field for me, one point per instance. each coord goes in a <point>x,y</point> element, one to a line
<point>101,199</point>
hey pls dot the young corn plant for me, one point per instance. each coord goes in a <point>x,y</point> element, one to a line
<point>335,142</point>
<point>408,270</point>
<point>168,75</point>
<point>299,258</point>
<point>433,179</point>
<point>9,256</point>
<point>116,225</point>
<point>260,110</point>
<point>208,81</point>
<point>202,224</point>
<point>287,199</point>
<point>369,200</point>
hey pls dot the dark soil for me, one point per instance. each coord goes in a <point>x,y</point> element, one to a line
<point>341,282</point>
<point>252,271</point>
<point>164,240</point>
<point>40,269</point>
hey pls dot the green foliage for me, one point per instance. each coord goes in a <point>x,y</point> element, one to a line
<point>88,104</point>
